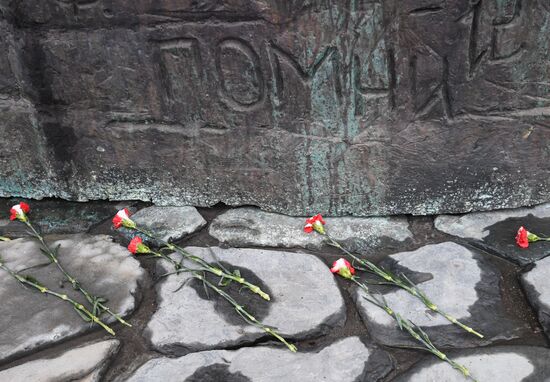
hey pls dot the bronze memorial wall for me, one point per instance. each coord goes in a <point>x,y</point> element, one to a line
<point>340,107</point>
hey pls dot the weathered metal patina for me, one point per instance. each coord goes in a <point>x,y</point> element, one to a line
<point>341,107</point>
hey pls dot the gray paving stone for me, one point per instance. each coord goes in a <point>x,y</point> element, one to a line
<point>456,279</point>
<point>305,301</point>
<point>496,230</point>
<point>247,226</point>
<point>85,364</point>
<point>168,223</point>
<point>537,287</point>
<point>495,364</point>
<point>34,320</point>
<point>347,360</point>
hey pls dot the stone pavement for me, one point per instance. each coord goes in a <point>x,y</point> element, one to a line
<point>468,264</point>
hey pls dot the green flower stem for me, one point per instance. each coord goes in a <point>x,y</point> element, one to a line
<point>207,267</point>
<point>94,300</point>
<point>415,331</point>
<point>243,313</point>
<point>406,284</point>
<point>176,265</point>
<point>34,284</point>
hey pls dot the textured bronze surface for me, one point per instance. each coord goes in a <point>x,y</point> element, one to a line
<point>341,107</point>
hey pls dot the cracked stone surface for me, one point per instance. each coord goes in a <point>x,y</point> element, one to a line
<point>242,227</point>
<point>305,301</point>
<point>537,288</point>
<point>496,230</point>
<point>168,223</point>
<point>496,364</point>
<point>103,267</point>
<point>346,360</point>
<point>84,364</point>
<point>457,280</point>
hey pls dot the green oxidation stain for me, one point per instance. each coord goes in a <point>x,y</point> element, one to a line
<point>21,183</point>
<point>525,67</point>
<point>334,119</point>
<point>504,6</point>
<point>543,43</point>
<point>337,111</point>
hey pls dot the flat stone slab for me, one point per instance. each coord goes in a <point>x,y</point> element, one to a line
<point>305,302</point>
<point>85,363</point>
<point>104,268</point>
<point>495,364</point>
<point>347,360</point>
<point>168,223</point>
<point>496,231</point>
<point>456,279</point>
<point>537,287</point>
<point>242,227</point>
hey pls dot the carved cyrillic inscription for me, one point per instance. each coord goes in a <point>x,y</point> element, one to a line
<point>182,68</point>
<point>242,85</point>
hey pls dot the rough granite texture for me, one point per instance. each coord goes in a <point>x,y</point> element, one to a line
<point>536,283</point>
<point>495,231</point>
<point>394,108</point>
<point>103,267</point>
<point>83,364</point>
<point>167,223</point>
<point>242,227</point>
<point>457,281</point>
<point>497,364</point>
<point>347,360</point>
<point>204,323</point>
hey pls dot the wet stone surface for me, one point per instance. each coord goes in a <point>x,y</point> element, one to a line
<point>166,223</point>
<point>104,268</point>
<point>496,231</point>
<point>242,227</point>
<point>497,364</point>
<point>536,283</point>
<point>459,282</point>
<point>305,302</point>
<point>86,363</point>
<point>346,360</point>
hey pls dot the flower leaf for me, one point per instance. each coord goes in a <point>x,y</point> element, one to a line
<point>56,250</point>
<point>82,315</point>
<point>205,289</point>
<point>31,279</point>
<point>45,252</point>
<point>182,284</point>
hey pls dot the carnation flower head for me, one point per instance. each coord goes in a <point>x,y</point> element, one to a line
<point>315,223</point>
<point>20,211</point>
<point>136,246</point>
<point>122,219</point>
<point>524,237</point>
<point>343,268</point>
